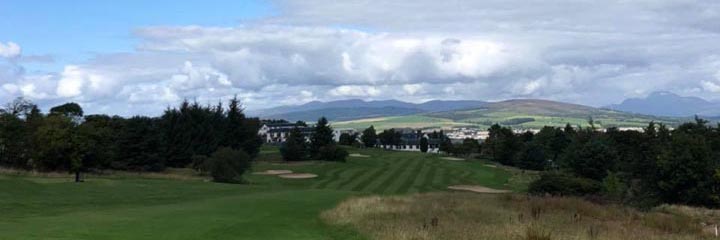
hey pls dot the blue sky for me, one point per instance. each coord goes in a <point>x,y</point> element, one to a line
<point>73,31</point>
<point>139,57</point>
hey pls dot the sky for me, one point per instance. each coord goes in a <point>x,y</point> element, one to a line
<point>139,57</point>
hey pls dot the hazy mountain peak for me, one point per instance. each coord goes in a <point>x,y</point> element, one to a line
<point>665,103</point>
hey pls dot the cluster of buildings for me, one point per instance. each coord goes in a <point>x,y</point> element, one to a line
<point>275,133</point>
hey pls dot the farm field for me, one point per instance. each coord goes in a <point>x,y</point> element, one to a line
<point>123,206</point>
<point>518,114</point>
<point>411,121</point>
<point>516,120</point>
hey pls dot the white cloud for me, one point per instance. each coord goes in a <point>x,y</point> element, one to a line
<point>9,50</point>
<point>355,91</point>
<point>411,89</point>
<point>711,86</point>
<point>409,50</point>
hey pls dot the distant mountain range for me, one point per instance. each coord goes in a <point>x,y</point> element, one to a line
<point>344,110</point>
<point>669,104</point>
<point>663,107</point>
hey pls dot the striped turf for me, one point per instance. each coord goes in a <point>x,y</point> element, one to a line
<point>393,172</point>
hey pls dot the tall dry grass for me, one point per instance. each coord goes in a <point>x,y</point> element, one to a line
<point>483,216</point>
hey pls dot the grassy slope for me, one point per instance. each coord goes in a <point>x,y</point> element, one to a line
<point>129,207</point>
<point>412,121</point>
<point>545,113</point>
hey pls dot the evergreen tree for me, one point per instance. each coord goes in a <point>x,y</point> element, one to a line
<point>532,157</point>
<point>388,137</point>
<point>369,137</point>
<point>140,145</point>
<point>446,145</point>
<point>322,136</point>
<point>502,144</point>
<point>348,139</point>
<point>591,159</point>
<point>295,147</point>
<point>15,139</point>
<point>97,138</point>
<point>423,144</point>
<point>686,171</point>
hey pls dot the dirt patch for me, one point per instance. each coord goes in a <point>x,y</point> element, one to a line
<point>359,155</point>
<point>453,159</point>
<point>298,175</point>
<point>477,189</point>
<point>273,172</point>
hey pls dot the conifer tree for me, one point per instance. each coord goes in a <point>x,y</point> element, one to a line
<point>322,136</point>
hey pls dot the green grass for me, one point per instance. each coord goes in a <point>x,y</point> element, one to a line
<point>411,121</point>
<point>484,120</point>
<point>124,206</point>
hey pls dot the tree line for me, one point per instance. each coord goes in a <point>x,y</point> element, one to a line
<point>641,168</point>
<point>218,140</point>
<point>319,145</point>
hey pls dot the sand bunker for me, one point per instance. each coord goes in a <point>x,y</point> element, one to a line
<point>298,175</point>
<point>453,159</point>
<point>490,165</point>
<point>477,189</point>
<point>273,172</point>
<point>359,155</point>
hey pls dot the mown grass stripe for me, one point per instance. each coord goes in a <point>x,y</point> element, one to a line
<point>447,178</point>
<point>348,174</point>
<point>365,182</point>
<point>333,174</point>
<point>438,182</point>
<point>402,177</point>
<point>465,177</point>
<point>352,178</point>
<point>428,178</point>
<point>397,170</point>
<point>410,179</point>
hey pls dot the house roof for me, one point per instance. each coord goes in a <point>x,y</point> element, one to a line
<point>286,130</point>
<point>271,125</point>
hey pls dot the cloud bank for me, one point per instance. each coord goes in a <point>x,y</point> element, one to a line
<point>587,52</point>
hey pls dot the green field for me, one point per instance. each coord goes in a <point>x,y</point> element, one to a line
<point>411,121</point>
<point>483,120</point>
<point>518,114</point>
<point>124,206</point>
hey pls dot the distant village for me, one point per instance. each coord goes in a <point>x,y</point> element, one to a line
<point>276,132</point>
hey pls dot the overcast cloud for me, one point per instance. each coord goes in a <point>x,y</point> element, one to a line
<point>589,52</point>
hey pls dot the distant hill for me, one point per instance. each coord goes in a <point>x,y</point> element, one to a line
<point>358,109</point>
<point>345,114</point>
<point>519,114</point>
<point>534,113</point>
<point>669,104</point>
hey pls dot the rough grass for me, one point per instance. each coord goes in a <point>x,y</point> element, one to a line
<point>484,216</point>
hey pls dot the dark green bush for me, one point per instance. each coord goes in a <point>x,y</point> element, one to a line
<point>227,165</point>
<point>333,153</point>
<point>564,185</point>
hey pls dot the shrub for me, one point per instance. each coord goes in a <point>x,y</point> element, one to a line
<point>564,185</point>
<point>333,153</point>
<point>227,165</point>
<point>200,163</point>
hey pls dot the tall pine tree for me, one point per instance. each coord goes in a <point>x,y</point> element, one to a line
<point>322,136</point>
